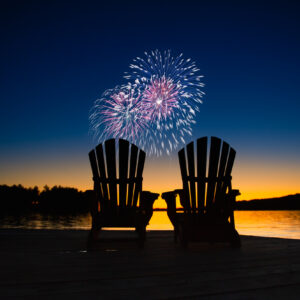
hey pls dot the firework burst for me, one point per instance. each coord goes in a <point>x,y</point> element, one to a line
<point>158,106</point>
<point>172,94</point>
<point>183,73</point>
<point>160,98</point>
<point>118,114</point>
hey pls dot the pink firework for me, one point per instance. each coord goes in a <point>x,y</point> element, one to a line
<point>160,98</point>
<point>119,112</point>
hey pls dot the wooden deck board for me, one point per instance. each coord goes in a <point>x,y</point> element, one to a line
<point>53,263</point>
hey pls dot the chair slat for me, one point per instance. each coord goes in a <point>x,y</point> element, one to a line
<point>212,170</point>
<point>123,171</point>
<point>102,172</point>
<point>201,171</point>
<point>191,167</point>
<point>182,163</point>
<point>139,172</point>
<point>97,187</point>
<point>228,170</point>
<point>222,165</point>
<point>110,152</point>
<point>132,171</point>
<point>92,157</point>
<point>230,162</point>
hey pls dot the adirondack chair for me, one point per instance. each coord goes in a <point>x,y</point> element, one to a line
<point>207,197</point>
<point>116,198</point>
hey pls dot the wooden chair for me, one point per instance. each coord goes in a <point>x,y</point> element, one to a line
<point>117,195</point>
<point>207,196</point>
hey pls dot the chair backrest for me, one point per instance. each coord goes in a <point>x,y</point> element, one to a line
<point>206,179</point>
<point>117,190</point>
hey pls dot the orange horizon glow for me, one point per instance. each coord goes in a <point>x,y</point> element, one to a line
<point>256,179</point>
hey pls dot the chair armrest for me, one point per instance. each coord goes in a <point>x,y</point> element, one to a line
<point>232,195</point>
<point>147,200</point>
<point>170,198</point>
<point>231,198</point>
<point>146,205</point>
<point>235,192</point>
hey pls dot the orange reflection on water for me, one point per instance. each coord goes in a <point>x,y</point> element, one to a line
<point>283,224</point>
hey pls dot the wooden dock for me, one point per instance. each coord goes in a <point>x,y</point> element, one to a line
<point>53,264</point>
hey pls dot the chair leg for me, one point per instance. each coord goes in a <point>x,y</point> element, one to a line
<point>142,236</point>
<point>92,237</point>
<point>182,236</point>
<point>235,241</point>
<point>176,233</point>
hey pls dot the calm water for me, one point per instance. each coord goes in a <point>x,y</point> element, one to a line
<point>284,224</point>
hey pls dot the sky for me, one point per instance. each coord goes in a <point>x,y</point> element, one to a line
<point>58,57</point>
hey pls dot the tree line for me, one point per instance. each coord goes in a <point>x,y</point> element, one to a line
<point>58,199</point>
<point>17,198</point>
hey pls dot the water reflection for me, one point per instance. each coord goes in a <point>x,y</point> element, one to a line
<point>46,221</point>
<point>284,224</point>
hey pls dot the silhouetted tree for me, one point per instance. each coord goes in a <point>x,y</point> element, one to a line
<point>16,198</point>
<point>62,199</point>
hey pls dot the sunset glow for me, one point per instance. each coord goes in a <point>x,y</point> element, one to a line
<point>255,179</point>
<point>50,84</point>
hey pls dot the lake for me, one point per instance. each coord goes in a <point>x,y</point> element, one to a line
<point>283,224</point>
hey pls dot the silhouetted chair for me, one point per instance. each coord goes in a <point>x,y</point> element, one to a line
<point>207,196</point>
<point>118,189</point>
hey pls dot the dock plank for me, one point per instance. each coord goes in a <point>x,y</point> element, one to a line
<point>55,264</point>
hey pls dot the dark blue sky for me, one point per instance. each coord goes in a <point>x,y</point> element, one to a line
<point>57,57</point>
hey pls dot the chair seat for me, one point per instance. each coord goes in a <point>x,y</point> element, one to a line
<point>120,218</point>
<point>203,219</point>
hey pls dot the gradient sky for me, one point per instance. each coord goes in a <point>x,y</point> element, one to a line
<point>57,57</point>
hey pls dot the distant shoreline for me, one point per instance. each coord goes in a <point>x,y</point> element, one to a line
<point>290,202</point>
<point>59,199</point>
